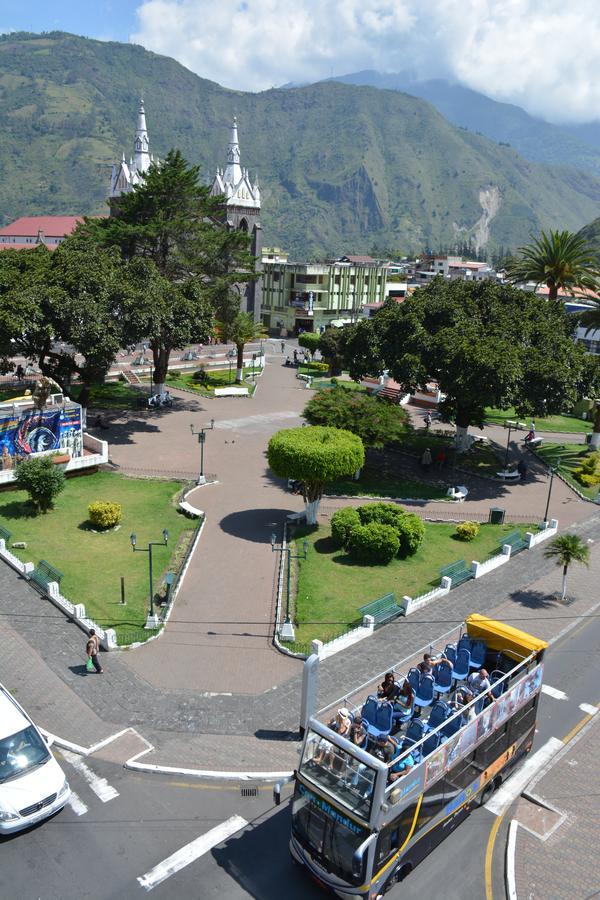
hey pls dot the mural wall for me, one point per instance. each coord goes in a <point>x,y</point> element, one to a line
<point>33,431</point>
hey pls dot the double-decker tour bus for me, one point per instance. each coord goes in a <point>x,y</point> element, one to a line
<point>360,823</point>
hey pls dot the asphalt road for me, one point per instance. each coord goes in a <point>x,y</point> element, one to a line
<point>102,852</point>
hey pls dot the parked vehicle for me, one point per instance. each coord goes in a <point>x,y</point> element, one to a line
<point>32,784</point>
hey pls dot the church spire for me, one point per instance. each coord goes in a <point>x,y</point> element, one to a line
<point>141,144</point>
<point>233,172</point>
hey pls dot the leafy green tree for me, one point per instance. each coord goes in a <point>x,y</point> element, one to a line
<point>567,549</point>
<point>343,521</point>
<point>376,423</point>
<point>309,340</point>
<point>331,345</point>
<point>314,456</point>
<point>560,259</point>
<point>76,295</point>
<point>242,330</point>
<point>42,480</point>
<point>484,344</point>
<point>171,221</point>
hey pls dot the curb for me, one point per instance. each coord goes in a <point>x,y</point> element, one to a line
<point>510,867</point>
<point>133,764</point>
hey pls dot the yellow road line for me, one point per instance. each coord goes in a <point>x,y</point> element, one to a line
<point>489,853</point>
<point>574,731</point>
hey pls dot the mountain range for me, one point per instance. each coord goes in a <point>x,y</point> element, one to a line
<point>343,167</point>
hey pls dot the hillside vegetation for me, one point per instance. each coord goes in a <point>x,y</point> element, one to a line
<point>341,167</point>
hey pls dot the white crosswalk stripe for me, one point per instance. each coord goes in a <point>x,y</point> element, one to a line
<point>553,692</point>
<point>77,804</point>
<point>191,852</point>
<point>100,786</point>
<point>588,708</point>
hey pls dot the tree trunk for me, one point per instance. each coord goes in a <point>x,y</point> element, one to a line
<point>84,396</point>
<point>461,440</point>
<point>312,498</point>
<point>239,375</point>
<point>564,584</point>
<point>595,440</point>
<point>552,290</point>
<point>160,358</point>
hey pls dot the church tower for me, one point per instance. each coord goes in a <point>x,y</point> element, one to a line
<point>242,197</point>
<point>125,175</point>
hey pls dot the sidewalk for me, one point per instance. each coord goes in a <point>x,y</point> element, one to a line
<point>557,849</point>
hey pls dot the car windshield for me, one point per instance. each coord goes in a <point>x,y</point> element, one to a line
<point>327,833</point>
<point>21,752</point>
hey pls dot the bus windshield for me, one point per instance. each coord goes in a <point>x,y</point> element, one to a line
<point>329,836</point>
<point>339,774</point>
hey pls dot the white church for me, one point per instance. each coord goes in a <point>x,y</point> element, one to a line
<point>242,195</point>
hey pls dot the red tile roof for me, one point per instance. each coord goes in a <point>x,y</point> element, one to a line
<point>18,246</point>
<point>52,226</point>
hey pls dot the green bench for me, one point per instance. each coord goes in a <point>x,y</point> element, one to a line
<point>5,534</point>
<point>45,573</point>
<point>515,542</point>
<point>457,572</point>
<point>383,609</point>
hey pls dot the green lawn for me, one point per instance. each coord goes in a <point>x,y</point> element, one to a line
<point>331,586</point>
<point>569,457</point>
<point>550,423</point>
<point>215,378</point>
<point>374,484</point>
<point>480,458</point>
<point>93,564</point>
<point>112,395</point>
<point>319,384</point>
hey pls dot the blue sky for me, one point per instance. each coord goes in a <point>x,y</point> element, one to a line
<point>105,19</point>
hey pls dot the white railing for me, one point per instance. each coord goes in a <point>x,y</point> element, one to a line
<point>543,535</point>
<point>330,648</point>
<point>412,604</point>
<point>489,565</point>
<point>76,612</point>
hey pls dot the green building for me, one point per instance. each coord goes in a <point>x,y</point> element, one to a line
<point>313,296</point>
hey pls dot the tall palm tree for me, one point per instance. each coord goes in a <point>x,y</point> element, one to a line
<point>567,549</point>
<point>241,331</point>
<point>561,260</point>
<point>590,320</point>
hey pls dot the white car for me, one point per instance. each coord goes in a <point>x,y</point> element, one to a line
<point>32,784</point>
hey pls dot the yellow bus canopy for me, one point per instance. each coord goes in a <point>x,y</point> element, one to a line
<point>498,636</point>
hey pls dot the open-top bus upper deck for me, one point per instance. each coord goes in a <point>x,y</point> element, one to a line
<point>360,784</point>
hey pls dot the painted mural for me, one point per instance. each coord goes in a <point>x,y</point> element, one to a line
<point>35,431</point>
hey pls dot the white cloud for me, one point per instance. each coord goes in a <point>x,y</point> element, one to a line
<point>540,54</point>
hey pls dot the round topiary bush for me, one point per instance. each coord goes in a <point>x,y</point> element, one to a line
<point>343,522</point>
<point>383,513</point>
<point>373,544</point>
<point>467,531</point>
<point>104,514</point>
<point>411,532</point>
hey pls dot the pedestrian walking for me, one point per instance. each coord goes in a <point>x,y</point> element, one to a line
<point>440,458</point>
<point>522,469</point>
<point>427,421</point>
<point>283,346</point>
<point>426,459</point>
<point>92,649</point>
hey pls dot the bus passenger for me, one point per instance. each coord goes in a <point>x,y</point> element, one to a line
<point>388,687</point>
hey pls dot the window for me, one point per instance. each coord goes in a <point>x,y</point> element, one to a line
<point>522,721</point>
<point>432,803</point>
<point>275,276</point>
<point>337,279</point>
<point>387,843</point>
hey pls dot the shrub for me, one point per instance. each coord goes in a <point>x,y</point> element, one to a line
<point>343,522</point>
<point>334,382</point>
<point>588,473</point>
<point>104,514</point>
<point>309,340</point>
<point>383,513</point>
<point>467,531</point>
<point>200,375</point>
<point>411,533</point>
<point>42,480</point>
<point>316,368</point>
<point>373,544</point>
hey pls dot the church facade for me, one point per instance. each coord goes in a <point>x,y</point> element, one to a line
<point>242,197</point>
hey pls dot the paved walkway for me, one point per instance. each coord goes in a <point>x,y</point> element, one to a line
<point>557,851</point>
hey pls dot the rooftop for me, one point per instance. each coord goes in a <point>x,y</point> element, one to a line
<point>51,226</point>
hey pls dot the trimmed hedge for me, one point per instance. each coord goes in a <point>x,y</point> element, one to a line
<point>343,522</point>
<point>383,513</point>
<point>104,514</point>
<point>411,533</point>
<point>467,531</point>
<point>373,544</point>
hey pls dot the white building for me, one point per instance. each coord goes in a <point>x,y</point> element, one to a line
<point>125,175</point>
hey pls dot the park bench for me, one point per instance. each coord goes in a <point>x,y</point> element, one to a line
<point>534,442</point>
<point>44,573</point>
<point>5,534</point>
<point>383,610</point>
<point>457,572</point>
<point>190,510</point>
<point>168,581</point>
<point>515,542</point>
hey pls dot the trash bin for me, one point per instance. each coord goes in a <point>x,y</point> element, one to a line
<point>497,515</point>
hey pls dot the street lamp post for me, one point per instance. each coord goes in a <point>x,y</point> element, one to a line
<point>253,365</point>
<point>201,440</point>
<point>152,621</point>
<point>510,427</point>
<point>552,470</point>
<point>287,632</point>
